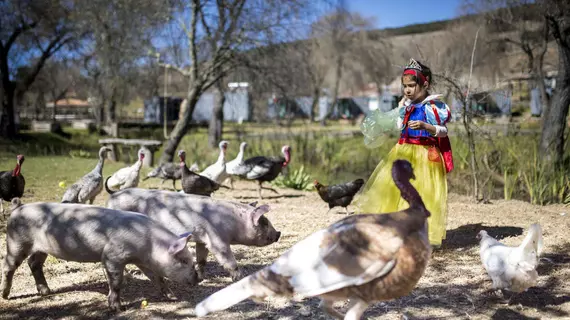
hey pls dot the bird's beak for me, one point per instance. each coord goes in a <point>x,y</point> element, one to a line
<point>413,176</point>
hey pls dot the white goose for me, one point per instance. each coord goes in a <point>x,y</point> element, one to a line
<point>237,166</point>
<point>217,171</point>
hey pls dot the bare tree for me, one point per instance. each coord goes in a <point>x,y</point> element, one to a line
<point>215,34</point>
<point>53,83</point>
<point>520,24</point>
<point>557,13</point>
<point>120,33</point>
<point>36,30</point>
<point>373,52</point>
<point>336,38</point>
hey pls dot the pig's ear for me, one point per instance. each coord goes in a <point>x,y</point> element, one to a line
<point>253,204</point>
<point>258,212</point>
<point>180,243</point>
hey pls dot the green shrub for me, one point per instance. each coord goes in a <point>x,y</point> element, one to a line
<point>298,179</point>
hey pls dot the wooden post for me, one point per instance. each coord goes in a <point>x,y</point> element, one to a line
<point>113,155</point>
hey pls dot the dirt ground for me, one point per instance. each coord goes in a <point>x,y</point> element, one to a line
<point>454,286</point>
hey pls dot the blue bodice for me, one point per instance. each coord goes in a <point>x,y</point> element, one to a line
<point>417,114</point>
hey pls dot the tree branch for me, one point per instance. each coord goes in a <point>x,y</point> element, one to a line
<point>55,45</point>
<point>17,32</point>
<point>192,42</point>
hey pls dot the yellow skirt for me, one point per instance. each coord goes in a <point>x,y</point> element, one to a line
<point>380,194</point>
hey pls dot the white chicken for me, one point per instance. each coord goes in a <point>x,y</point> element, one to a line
<point>236,166</point>
<point>126,177</point>
<point>217,171</point>
<point>512,268</point>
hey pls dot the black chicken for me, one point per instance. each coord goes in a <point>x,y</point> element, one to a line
<point>339,195</point>
<point>12,183</point>
<point>263,169</point>
<point>194,183</point>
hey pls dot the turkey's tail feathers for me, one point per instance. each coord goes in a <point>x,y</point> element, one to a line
<point>533,239</point>
<point>109,191</point>
<point>225,298</point>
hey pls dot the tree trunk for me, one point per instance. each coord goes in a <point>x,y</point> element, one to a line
<point>544,99</point>
<point>315,104</point>
<point>182,126</point>
<point>471,143</point>
<point>552,138</point>
<point>216,125</point>
<point>8,120</point>
<point>111,107</point>
<point>554,125</point>
<point>339,63</point>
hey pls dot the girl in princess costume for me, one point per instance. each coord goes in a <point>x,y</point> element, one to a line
<point>423,141</point>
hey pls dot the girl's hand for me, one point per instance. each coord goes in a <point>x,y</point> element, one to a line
<point>416,124</point>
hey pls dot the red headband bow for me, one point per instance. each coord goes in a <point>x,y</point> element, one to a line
<point>417,74</point>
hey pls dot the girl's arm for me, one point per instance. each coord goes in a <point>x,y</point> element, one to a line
<point>434,130</point>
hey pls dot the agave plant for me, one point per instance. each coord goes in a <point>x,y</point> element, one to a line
<point>298,179</point>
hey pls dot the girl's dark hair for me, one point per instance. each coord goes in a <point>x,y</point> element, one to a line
<point>426,71</point>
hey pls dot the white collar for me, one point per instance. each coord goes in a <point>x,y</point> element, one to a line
<point>428,98</point>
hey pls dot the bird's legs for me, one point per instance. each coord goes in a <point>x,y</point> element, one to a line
<point>355,309</point>
<point>327,306</point>
<point>267,188</point>
<point>259,187</point>
<point>346,209</point>
<point>173,184</point>
<point>2,206</point>
<point>231,182</point>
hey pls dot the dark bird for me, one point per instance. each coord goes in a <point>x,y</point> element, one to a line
<point>194,183</point>
<point>339,195</point>
<point>264,169</point>
<point>365,258</point>
<point>12,183</point>
<point>168,171</point>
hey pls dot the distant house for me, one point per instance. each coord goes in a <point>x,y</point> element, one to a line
<point>71,109</point>
<point>237,108</point>
<point>296,108</point>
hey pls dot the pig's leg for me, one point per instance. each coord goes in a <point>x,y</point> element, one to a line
<point>12,261</point>
<point>36,264</point>
<point>159,281</point>
<point>225,257</point>
<point>201,258</point>
<point>114,274</point>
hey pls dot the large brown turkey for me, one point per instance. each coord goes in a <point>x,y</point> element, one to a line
<point>194,183</point>
<point>12,183</point>
<point>364,258</point>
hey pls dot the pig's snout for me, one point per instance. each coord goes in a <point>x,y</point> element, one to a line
<point>277,236</point>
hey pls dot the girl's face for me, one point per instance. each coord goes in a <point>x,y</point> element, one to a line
<point>412,90</point>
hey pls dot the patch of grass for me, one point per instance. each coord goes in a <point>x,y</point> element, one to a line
<point>515,173</point>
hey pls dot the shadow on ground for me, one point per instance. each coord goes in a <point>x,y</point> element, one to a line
<point>465,236</point>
